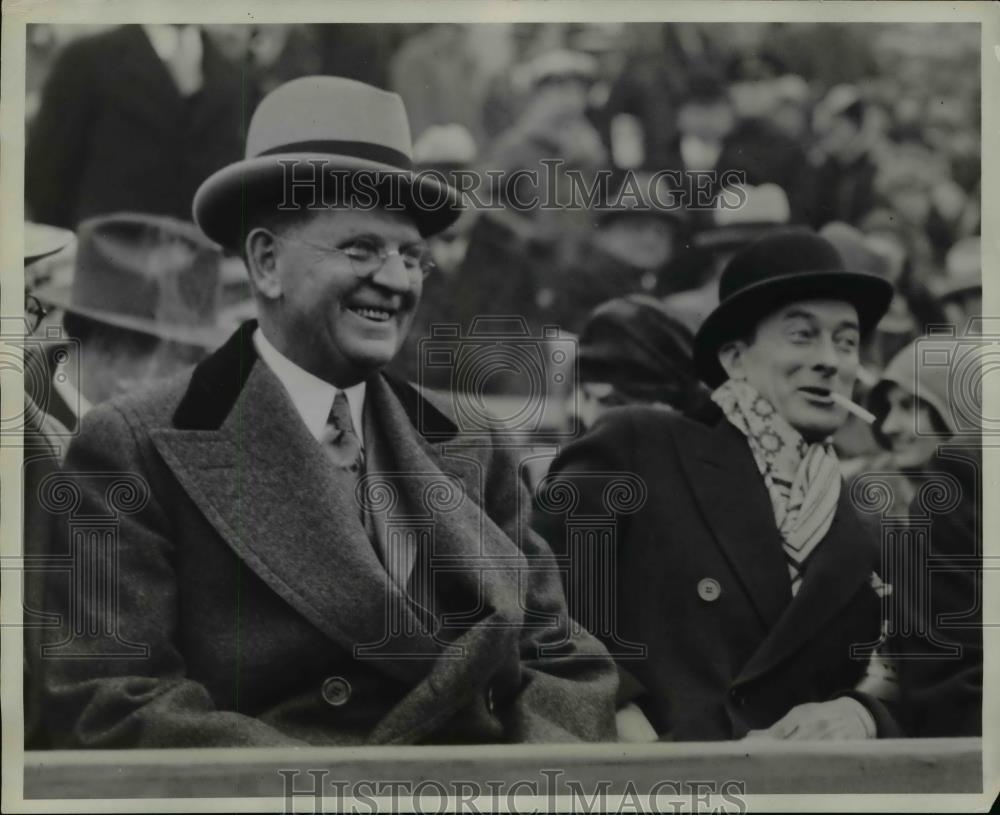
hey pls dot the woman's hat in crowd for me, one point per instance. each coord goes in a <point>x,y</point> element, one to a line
<point>782,267</point>
<point>313,125</point>
<point>918,371</point>
<point>637,345</point>
<point>146,273</point>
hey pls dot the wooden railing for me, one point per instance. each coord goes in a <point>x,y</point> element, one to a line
<point>905,766</point>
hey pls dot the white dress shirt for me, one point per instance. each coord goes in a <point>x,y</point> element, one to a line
<point>312,397</point>
<point>180,48</point>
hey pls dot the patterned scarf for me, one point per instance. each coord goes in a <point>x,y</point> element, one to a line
<point>802,479</point>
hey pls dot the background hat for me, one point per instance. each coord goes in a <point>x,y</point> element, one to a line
<point>562,64</point>
<point>855,248</point>
<point>962,270</point>
<point>641,193</point>
<point>785,266</point>
<point>445,147</point>
<point>146,273</point>
<point>42,240</point>
<point>765,207</point>
<point>637,345</point>
<point>337,123</point>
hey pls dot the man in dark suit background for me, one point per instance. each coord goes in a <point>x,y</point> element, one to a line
<point>276,577</point>
<point>132,120</point>
<point>730,574</point>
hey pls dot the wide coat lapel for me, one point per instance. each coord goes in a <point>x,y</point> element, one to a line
<point>271,493</point>
<point>735,505</point>
<point>444,482</point>
<point>484,568</point>
<point>841,565</point>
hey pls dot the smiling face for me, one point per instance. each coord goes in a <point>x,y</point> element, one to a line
<point>319,309</point>
<point>798,356</point>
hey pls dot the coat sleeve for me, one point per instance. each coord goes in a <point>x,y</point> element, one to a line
<point>114,676</point>
<point>583,479</point>
<point>569,681</point>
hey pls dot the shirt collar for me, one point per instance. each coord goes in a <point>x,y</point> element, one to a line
<point>312,397</point>
<point>167,40</point>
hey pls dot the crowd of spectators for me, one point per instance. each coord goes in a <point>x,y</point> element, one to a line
<point>867,133</point>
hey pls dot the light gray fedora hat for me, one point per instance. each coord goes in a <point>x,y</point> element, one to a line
<point>330,123</point>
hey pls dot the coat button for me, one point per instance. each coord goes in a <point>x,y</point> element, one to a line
<point>490,701</point>
<point>336,691</point>
<point>709,589</point>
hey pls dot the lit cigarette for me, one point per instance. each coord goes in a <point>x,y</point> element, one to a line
<point>850,407</point>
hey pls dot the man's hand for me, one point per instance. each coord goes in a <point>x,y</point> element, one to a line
<point>843,718</point>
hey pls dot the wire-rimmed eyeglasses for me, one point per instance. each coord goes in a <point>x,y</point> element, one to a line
<point>367,258</point>
<point>34,312</point>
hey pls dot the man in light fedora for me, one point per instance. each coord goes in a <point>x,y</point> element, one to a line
<point>142,303</point>
<point>747,575</point>
<point>281,580</point>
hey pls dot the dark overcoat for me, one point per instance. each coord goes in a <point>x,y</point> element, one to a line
<point>250,607</point>
<point>690,589</point>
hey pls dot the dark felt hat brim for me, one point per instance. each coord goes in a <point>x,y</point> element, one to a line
<point>226,198</point>
<point>738,314</point>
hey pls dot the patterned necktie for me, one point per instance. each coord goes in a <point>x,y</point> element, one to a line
<point>341,441</point>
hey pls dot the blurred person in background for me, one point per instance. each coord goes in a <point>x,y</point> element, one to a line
<point>845,168</point>
<point>439,79</point>
<point>515,251</point>
<point>960,290</point>
<point>44,443</point>
<point>143,304</point>
<point>792,111</point>
<point>913,307</point>
<point>131,119</point>
<point>507,91</point>
<point>634,239</point>
<point>732,226</point>
<point>633,351</point>
<point>714,137</point>
<point>445,149</point>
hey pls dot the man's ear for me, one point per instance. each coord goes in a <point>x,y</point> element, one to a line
<point>262,262</point>
<point>732,359</point>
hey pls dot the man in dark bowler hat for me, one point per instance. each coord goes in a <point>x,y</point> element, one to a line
<point>277,574</point>
<point>739,575</point>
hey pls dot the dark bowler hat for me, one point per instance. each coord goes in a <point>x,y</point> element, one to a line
<point>318,124</point>
<point>782,267</point>
<point>146,273</point>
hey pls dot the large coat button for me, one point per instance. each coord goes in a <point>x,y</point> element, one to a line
<point>709,589</point>
<point>490,700</point>
<point>336,691</point>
